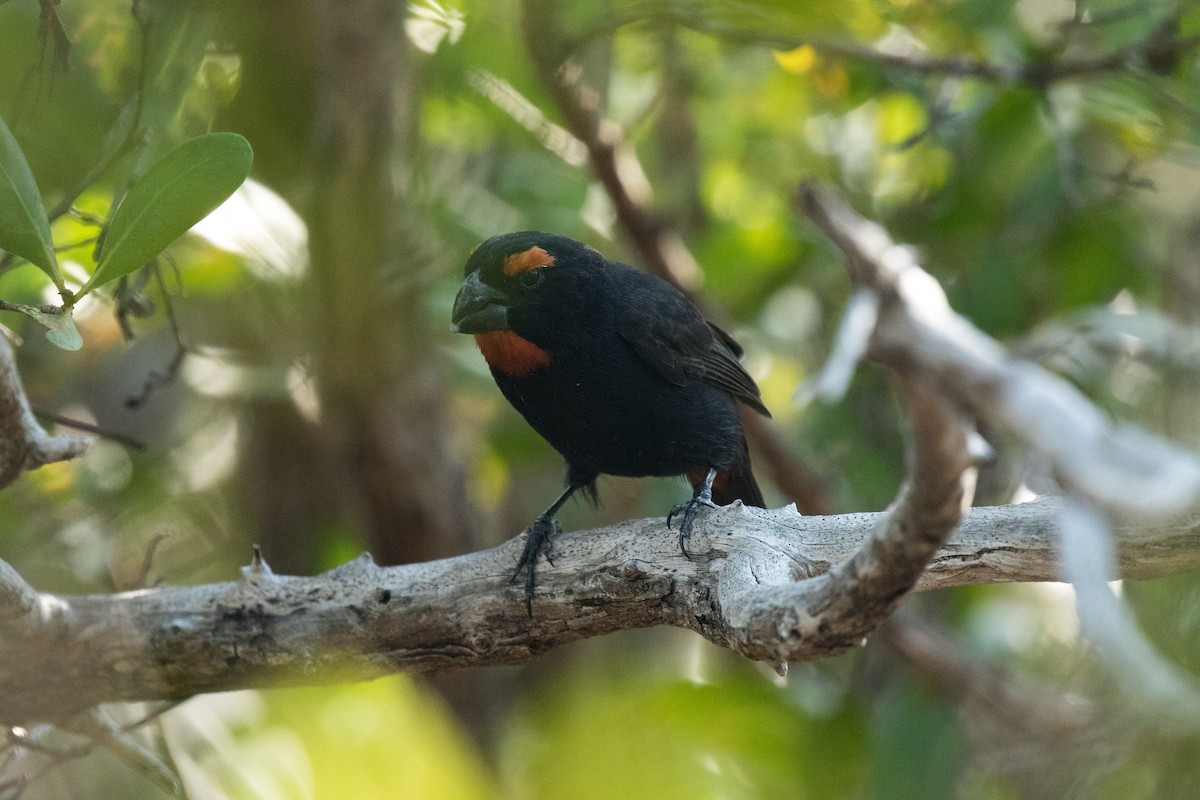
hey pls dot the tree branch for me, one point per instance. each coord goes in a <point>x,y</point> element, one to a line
<point>772,585</point>
<point>23,443</point>
<point>1163,45</point>
<point>1117,466</point>
<point>360,621</point>
<point>1111,470</point>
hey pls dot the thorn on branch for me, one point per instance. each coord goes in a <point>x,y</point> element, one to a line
<point>258,571</point>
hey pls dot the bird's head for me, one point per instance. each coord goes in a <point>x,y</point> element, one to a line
<point>519,290</point>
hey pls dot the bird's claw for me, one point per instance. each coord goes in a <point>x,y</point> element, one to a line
<point>689,511</point>
<point>539,540</point>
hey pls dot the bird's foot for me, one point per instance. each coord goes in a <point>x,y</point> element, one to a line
<point>539,540</point>
<point>688,512</point>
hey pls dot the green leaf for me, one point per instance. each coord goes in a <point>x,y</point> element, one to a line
<point>178,190</point>
<point>59,324</point>
<point>63,334</point>
<point>24,228</point>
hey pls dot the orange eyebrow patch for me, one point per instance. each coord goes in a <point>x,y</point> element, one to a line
<point>526,260</point>
<point>507,352</point>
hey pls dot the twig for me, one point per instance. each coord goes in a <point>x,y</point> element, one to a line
<point>157,379</point>
<point>103,730</point>
<point>1147,335</point>
<point>91,729</point>
<point>87,427</point>
<point>850,346</point>
<point>1158,44</point>
<point>1018,727</point>
<point>23,443</point>
<point>143,575</point>
<point>1155,686</point>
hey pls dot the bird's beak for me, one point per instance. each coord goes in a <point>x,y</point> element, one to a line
<point>479,308</point>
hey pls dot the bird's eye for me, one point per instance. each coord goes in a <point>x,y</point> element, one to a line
<point>531,278</point>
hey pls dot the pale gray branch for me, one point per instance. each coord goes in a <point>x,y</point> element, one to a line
<point>1159,687</point>
<point>361,621</point>
<point>1102,334</point>
<point>23,443</point>
<point>849,347</point>
<point>799,621</point>
<point>17,598</point>
<point>1111,466</point>
<point>1117,466</point>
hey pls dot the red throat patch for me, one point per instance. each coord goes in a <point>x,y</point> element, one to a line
<point>509,353</point>
<point>526,260</point>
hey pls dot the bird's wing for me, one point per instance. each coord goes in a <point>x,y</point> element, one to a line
<point>672,337</point>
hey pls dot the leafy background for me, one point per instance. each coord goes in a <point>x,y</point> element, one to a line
<point>304,392</point>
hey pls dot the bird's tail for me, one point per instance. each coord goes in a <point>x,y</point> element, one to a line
<point>737,483</point>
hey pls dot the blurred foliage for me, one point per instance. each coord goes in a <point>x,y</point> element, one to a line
<point>1031,203</point>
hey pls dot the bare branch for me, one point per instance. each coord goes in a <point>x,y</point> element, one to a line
<point>361,621</point>
<point>825,616</point>
<point>1087,553</point>
<point>1162,45</point>
<point>23,442</point>
<point>17,598</point>
<point>849,348</point>
<point>1117,466</point>
<point>1104,465</point>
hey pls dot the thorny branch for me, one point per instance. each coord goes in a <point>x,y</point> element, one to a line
<point>772,585</point>
<point>60,654</point>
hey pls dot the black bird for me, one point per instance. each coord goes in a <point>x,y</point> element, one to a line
<point>614,367</point>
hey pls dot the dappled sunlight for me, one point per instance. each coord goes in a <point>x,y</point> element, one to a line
<point>385,739</point>
<point>261,227</point>
<point>1023,618</point>
<point>209,455</point>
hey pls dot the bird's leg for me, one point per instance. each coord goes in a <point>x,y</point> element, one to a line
<point>689,510</point>
<point>540,539</point>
